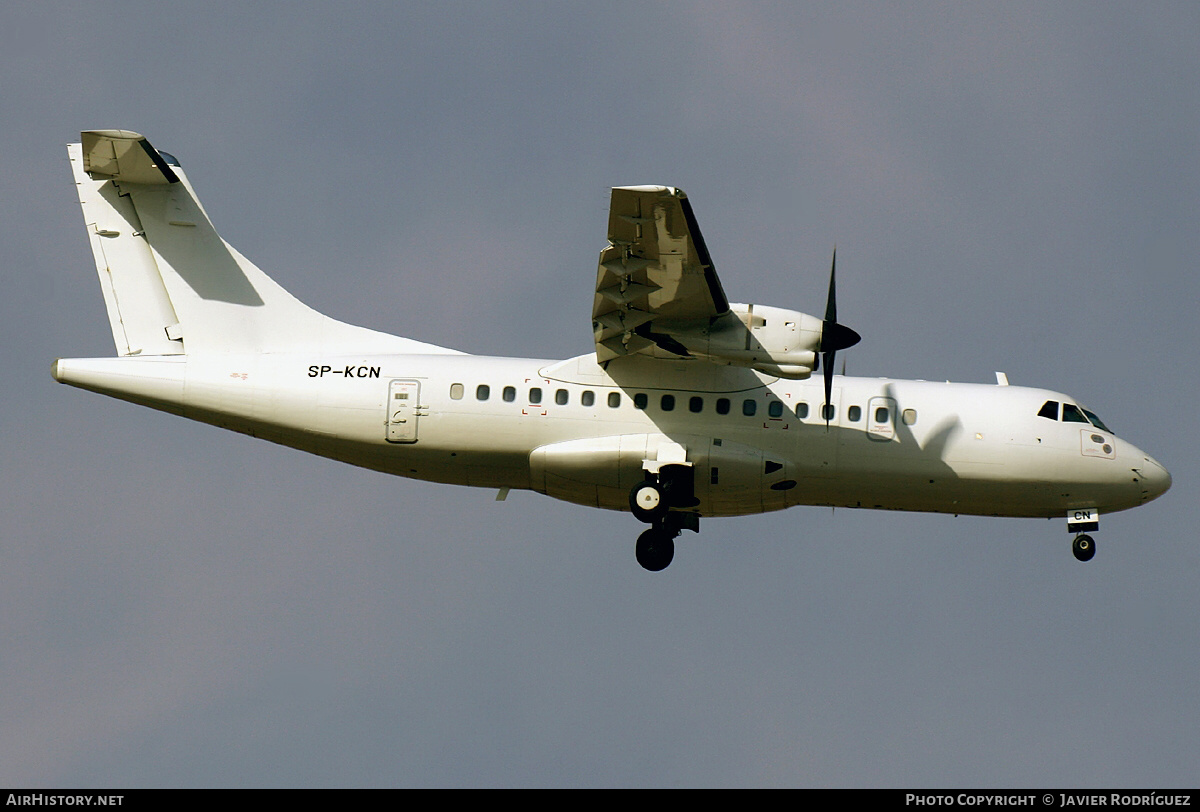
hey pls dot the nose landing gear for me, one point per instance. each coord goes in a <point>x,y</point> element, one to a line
<point>1083,521</point>
<point>1083,547</point>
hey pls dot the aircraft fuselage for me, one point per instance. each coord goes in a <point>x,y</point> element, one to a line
<point>577,432</point>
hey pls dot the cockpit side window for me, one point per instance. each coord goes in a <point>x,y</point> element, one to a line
<point>1072,414</point>
<point>1096,421</point>
<point>1049,410</point>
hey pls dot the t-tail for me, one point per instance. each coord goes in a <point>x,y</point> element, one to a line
<point>177,293</point>
<point>172,286</point>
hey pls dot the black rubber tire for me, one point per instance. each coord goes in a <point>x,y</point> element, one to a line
<point>655,549</point>
<point>644,510</point>
<point>1083,547</point>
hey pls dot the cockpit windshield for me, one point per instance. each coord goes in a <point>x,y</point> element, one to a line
<point>1096,421</point>
<point>1071,414</point>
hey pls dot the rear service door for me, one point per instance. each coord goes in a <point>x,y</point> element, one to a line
<point>402,405</point>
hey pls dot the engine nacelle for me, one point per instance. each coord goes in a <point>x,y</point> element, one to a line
<point>601,471</point>
<point>771,340</point>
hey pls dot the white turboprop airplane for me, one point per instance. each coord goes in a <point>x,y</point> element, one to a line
<point>690,406</point>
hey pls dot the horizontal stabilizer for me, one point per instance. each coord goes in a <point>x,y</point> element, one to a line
<point>125,156</point>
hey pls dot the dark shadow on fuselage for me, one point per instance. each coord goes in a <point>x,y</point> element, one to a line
<point>850,466</point>
<point>180,232</point>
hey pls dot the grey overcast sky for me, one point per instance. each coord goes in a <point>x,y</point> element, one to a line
<point>1011,186</point>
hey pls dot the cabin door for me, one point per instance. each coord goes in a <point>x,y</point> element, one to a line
<point>403,397</point>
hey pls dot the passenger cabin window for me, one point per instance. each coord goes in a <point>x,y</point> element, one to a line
<point>640,400</point>
<point>1071,414</point>
<point>456,391</point>
<point>614,400</point>
<point>775,408</point>
<point>828,412</point>
<point>854,414</point>
<point>535,395</point>
<point>1049,410</point>
<point>749,407</point>
<point>909,416</point>
<point>509,394</point>
<point>881,415</point>
<point>722,405</point>
<point>588,398</point>
<point>668,403</point>
<point>483,392</point>
<point>801,410</point>
<point>561,397</point>
<point>696,405</point>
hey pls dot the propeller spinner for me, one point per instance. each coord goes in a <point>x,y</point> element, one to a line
<point>834,337</point>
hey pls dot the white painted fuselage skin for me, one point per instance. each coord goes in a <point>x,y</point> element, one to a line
<point>938,447</point>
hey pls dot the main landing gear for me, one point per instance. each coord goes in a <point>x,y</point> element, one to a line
<point>656,548</point>
<point>656,501</point>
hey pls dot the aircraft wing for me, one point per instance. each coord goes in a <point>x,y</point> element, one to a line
<point>656,280</point>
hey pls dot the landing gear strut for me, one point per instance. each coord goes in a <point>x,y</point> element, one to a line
<point>1083,547</point>
<point>651,501</point>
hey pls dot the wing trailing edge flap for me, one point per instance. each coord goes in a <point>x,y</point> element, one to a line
<point>658,295</point>
<point>656,282</point>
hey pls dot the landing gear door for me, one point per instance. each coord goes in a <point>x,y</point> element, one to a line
<point>881,418</point>
<point>403,400</point>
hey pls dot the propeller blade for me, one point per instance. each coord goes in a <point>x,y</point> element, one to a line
<point>831,299</point>
<point>834,337</point>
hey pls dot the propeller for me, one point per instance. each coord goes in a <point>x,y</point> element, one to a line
<point>834,337</point>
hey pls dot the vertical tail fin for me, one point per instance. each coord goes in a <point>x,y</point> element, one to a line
<point>139,309</point>
<point>171,284</point>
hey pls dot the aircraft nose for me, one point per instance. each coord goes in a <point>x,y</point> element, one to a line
<point>1156,479</point>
